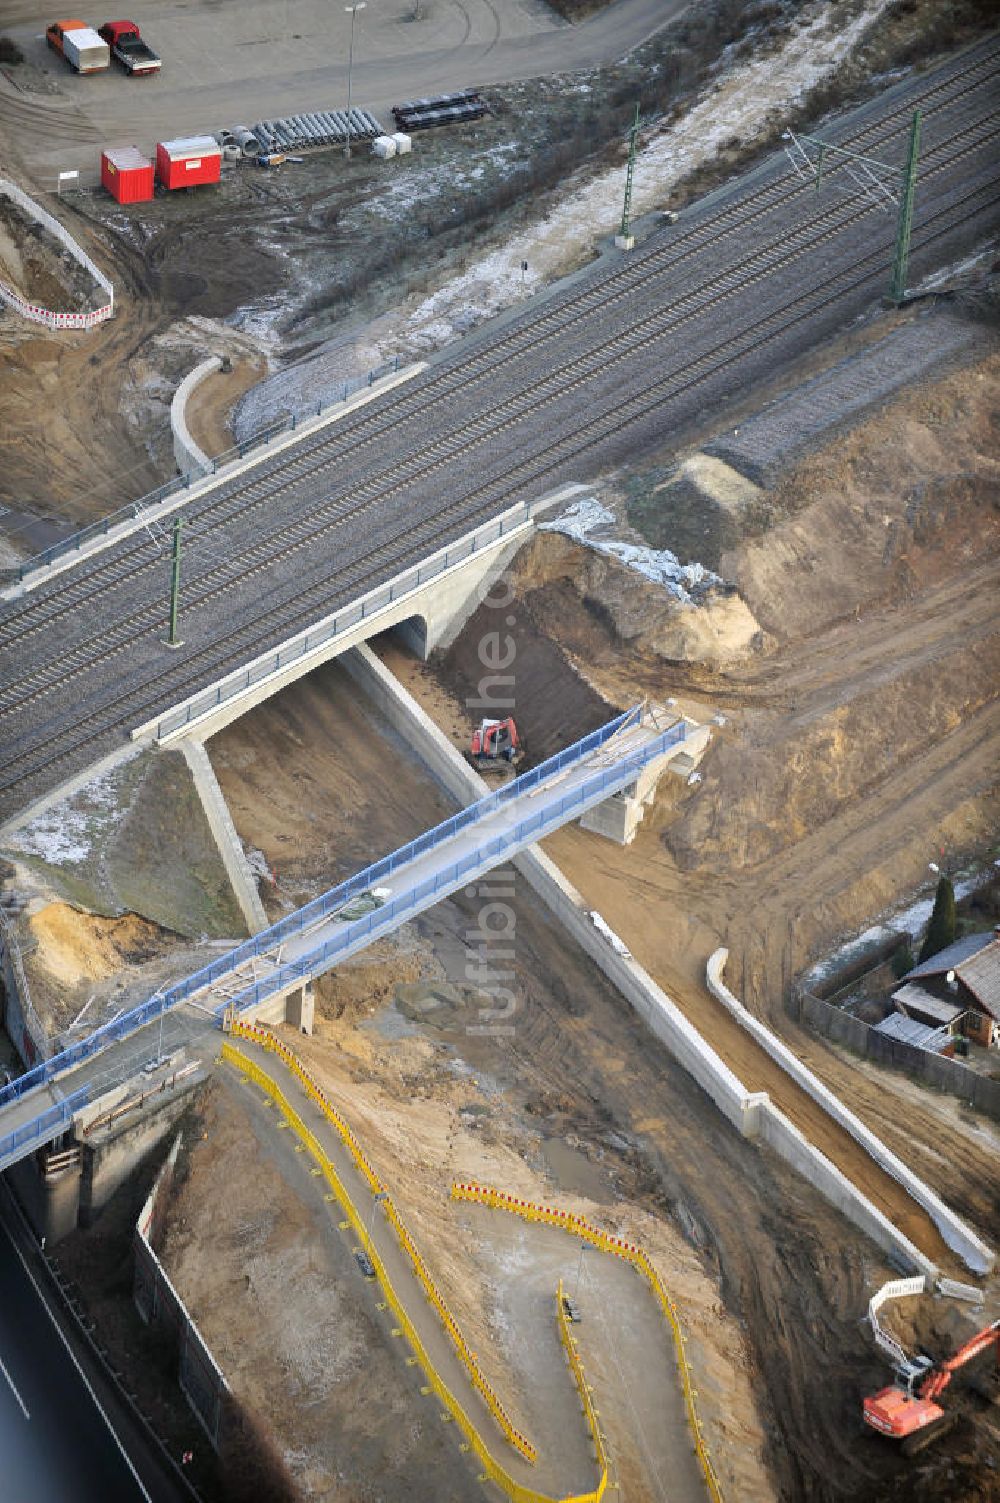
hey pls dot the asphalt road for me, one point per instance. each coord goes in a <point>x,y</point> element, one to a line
<point>55,1444</point>
<point>286,57</point>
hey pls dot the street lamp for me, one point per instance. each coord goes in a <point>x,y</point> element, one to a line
<point>352,11</point>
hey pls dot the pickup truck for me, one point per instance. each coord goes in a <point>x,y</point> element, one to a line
<point>80,45</point>
<point>129,49</point>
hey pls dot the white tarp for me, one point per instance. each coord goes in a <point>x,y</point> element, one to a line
<point>583,518</point>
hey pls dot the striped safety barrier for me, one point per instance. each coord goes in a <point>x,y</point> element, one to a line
<point>39,315</point>
<point>492,1470</point>
<point>632,1253</point>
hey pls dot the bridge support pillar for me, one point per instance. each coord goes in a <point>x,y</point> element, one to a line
<point>300,1008</point>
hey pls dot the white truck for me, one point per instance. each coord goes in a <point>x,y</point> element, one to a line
<point>80,45</point>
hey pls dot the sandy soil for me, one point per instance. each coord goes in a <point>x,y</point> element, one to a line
<point>210,406</point>
<point>275,1291</point>
<point>273,765</point>
<point>74,947</point>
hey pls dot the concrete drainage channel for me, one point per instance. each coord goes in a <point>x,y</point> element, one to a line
<point>752,1113</point>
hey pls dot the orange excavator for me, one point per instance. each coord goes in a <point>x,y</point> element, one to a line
<point>907,1410</point>
<point>495,741</point>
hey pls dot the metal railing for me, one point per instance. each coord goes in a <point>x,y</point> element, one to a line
<point>303,918</point>
<point>48,1124</point>
<point>139,511</point>
<point>305,642</point>
<point>337,897</point>
<point>431,889</point>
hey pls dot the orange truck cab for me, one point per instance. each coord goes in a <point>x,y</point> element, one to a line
<point>55,33</point>
<point>80,45</point>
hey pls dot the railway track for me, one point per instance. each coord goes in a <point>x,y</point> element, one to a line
<point>554,386</point>
<point>21,768</point>
<point>40,744</point>
<point>682,254</point>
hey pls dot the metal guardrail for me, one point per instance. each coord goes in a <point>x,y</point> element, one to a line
<point>303,918</point>
<point>369,605</point>
<point>138,511</point>
<point>42,1128</point>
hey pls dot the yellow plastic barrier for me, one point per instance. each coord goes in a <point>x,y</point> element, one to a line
<point>578,1227</point>
<point>268,1040</point>
<point>492,1470</point>
<point>576,1367</point>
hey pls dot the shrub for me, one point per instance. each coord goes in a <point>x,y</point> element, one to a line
<point>941,929</point>
<point>902,961</point>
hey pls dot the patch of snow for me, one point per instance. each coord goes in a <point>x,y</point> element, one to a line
<point>908,920</point>
<point>584,518</point>
<point>979,260</point>
<point>65,833</point>
<point>740,101</point>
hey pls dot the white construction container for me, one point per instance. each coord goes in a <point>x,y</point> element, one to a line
<point>87,52</point>
<point>384,147</point>
<point>403,142</point>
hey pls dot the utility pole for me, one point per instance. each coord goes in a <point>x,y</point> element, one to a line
<point>625,240</point>
<point>175,584</point>
<point>811,158</point>
<point>352,11</point>
<point>905,222</point>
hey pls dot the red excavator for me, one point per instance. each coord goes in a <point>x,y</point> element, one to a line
<point>495,741</point>
<point>906,1411</point>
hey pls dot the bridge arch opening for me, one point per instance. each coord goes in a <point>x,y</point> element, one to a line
<point>413,633</point>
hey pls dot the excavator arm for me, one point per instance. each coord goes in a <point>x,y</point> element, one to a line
<point>937,1381</point>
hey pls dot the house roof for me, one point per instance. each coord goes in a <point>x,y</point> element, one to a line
<point>909,1031</point>
<point>915,999</point>
<point>980,974</point>
<point>950,958</point>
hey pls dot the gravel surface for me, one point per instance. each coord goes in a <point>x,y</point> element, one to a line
<point>763,447</point>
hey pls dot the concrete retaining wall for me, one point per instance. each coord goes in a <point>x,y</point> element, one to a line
<point>752,1113</point>
<point>55,319</point>
<point>188,457</point>
<point>959,1237</point>
<point>138,515</point>
<point>158,1303</point>
<point>224,833</point>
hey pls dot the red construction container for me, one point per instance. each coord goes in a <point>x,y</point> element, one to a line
<point>127,174</point>
<point>187,161</point>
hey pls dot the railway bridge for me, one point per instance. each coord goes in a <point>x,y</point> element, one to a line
<point>622,358</point>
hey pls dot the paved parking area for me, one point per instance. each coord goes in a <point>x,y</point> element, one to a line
<point>234,63</point>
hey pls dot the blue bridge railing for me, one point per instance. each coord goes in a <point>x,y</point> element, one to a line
<point>313,912</point>
<point>314,962</point>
